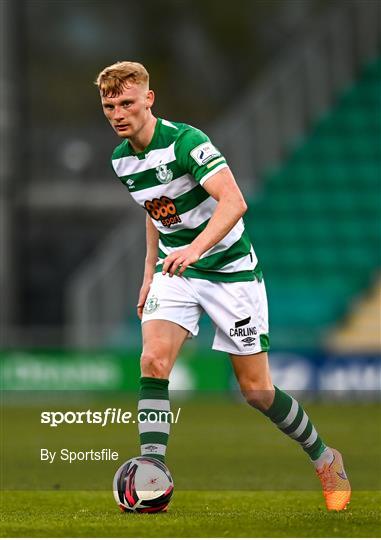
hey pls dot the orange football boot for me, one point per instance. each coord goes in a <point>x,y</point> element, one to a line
<point>335,483</point>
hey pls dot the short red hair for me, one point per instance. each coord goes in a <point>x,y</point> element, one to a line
<point>113,79</point>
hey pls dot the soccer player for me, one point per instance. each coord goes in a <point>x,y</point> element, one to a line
<point>199,258</point>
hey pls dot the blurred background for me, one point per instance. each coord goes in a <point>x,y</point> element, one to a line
<point>289,90</point>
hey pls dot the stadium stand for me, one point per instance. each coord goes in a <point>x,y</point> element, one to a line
<point>316,225</point>
<point>361,330</point>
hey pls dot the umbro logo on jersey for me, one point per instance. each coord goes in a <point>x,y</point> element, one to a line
<point>130,183</point>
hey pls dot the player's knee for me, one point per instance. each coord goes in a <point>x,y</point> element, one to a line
<point>259,395</point>
<point>260,399</point>
<point>154,364</point>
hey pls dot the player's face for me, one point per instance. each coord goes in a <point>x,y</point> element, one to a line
<point>128,112</point>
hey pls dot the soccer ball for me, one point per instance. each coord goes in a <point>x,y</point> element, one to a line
<point>143,484</point>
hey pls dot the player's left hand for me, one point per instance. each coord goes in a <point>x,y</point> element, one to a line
<point>178,261</point>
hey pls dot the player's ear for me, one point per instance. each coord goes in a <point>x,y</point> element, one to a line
<point>150,99</point>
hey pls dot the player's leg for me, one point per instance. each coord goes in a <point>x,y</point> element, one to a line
<point>171,313</point>
<point>162,341</point>
<point>254,379</point>
<point>239,311</point>
<point>253,375</point>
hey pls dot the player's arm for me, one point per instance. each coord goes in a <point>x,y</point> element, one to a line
<point>230,208</point>
<point>152,242</point>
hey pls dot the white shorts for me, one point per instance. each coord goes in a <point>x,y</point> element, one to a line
<point>238,310</point>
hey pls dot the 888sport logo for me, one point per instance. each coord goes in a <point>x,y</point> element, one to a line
<point>164,210</point>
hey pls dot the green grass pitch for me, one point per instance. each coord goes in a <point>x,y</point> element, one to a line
<point>235,475</point>
<point>191,514</point>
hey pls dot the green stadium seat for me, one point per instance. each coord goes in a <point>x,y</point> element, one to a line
<point>372,72</point>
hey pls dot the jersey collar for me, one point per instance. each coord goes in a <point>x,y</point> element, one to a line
<point>152,144</point>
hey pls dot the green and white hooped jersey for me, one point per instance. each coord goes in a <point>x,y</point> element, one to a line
<point>166,179</point>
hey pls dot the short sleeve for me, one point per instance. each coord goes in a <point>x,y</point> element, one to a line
<point>197,155</point>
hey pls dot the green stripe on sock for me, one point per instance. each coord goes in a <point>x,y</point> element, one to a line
<point>280,407</point>
<point>279,410</point>
<point>152,388</point>
<point>156,437</point>
<point>316,449</point>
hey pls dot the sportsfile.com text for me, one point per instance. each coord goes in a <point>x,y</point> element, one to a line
<point>108,416</point>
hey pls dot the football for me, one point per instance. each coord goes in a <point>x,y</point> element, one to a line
<point>143,484</point>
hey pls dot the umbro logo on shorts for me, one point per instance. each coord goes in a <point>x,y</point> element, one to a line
<point>248,341</point>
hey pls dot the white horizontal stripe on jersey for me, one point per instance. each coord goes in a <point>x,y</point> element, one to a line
<point>239,265</point>
<point>227,241</point>
<point>191,219</point>
<point>147,427</point>
<point>132,164</point>
<point>211,173</point>
<point>244,263</point>
<point>156,404</point>
<point>231,238</point>
<point>291,415</point>
<point>174,189</point>
<point>167,250</point>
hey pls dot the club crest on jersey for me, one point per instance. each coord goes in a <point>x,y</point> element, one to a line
<point>163,174</point>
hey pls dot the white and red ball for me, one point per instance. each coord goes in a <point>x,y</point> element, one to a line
<point>143,484</point>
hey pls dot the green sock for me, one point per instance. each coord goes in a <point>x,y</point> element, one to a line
<point>290,418</point>
<point>153,400</point>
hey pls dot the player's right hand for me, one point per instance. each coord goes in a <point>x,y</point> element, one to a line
<point>144,290</point>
